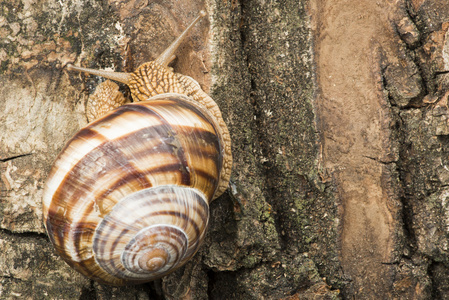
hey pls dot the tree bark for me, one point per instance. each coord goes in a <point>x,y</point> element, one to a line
<point>339,120</point>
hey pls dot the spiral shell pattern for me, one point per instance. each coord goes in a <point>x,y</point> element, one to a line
<point>127,199</point>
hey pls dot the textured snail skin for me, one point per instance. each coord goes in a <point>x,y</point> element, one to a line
<point>128,196</point>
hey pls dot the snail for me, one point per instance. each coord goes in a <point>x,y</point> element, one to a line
<point>127,199</point>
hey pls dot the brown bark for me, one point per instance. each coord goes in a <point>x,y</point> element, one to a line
<point>358,149</point>
<point>339,120</point>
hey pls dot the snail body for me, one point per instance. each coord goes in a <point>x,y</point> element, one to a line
<point>127,199</point>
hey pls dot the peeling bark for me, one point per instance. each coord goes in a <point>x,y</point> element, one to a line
<point>358,150</point>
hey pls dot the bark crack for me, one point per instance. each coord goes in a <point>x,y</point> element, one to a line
<point>14,157</point>
<point>27,234</point>
<point>262,151</point>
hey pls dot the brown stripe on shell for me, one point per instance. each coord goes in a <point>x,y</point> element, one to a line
<point>90,269</point>
<point>87,230</point>
<point>86,134</point>
<point>57,236</point>
<point>124,109</point>
<point>204,136</point>
<point>125,180</point>
<point>206,176</point>
<point>82,234</point>
<point>75,149</point>
<point>86,265</point>
<point>179,215</point>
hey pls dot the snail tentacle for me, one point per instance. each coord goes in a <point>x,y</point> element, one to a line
<point>168,55</point>
<point>117,76</point>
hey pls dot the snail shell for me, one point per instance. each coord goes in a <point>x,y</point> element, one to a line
<point>127,199</point>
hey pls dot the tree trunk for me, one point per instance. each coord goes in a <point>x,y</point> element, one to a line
<point>338,113</point>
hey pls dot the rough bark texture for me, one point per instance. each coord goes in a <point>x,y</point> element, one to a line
<point>338,112</point>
